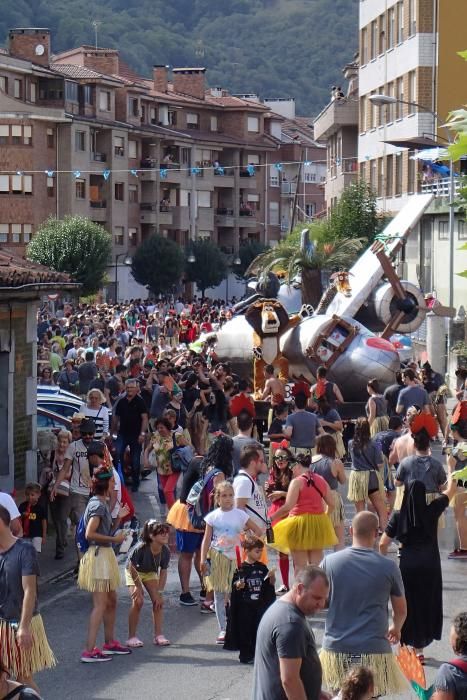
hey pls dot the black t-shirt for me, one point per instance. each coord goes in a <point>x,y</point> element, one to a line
<point>130,414</point>
<point>31,518</point>
<point>276,427</point>
<point>190,477</point>
<point>145,561</point>
<point>391,395</point>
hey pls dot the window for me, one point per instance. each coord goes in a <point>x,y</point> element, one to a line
<point>214,124</point>
<point>133,194</point>
<point>119,190</point>
<point>15,233</point>
<point>411,174</point>
<point>16,134</point>
<point>4,183</point>
<point>253,202</point>
<point>27,231</point>
<point>364,45</point>
<point>192,120</point>
<point>373,173</point>
<point>32,92</point>
<point>16,184</point>
<point>133,107</point>
<point>380,178</point>
<point>412,18</point>
<point>390,107</point>
<point>309,177</point>
<point>399,107</point>
<point>3,233</point>
<point>273,176</point>
<point>153,115</point>
<point>3,83</point>
<point>172,117</point>
<point>119,145</point>
<point>204,199</point>
<point>373,39</point>
<point>400,22</point>
<point>253,125</point>
<point>391,27</point>
<point>132,149</point>
<point>462,230</point>
<point>203,236</point>
<point>381,113</point>
<point>443,231</point>
<point>105,102</point>
<point>310,210</point>
<point>88,94</point>
<point>374,113</point>
<point>80,189</point>
<point>50,187</point>
<point>50,138</point>
<point>17,88</point>
<point>363,106</point>
<point>132,236</point>
<point>253,159</point>
<point>80,140</point>
<point>119,235</point>
<point>382,34</point>
<point>4,134</point>
<point>71,91</point>
<point>274,213</point>
<point>389,176</point>
<point>412,91</point>
<point>398,159</point>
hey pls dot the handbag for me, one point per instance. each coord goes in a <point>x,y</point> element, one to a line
<point>373,481</point>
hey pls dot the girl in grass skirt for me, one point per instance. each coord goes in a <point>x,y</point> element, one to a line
<point>326,464</point>
<point>98,569</point>
<point>308,528</point>
<point>221,537</point>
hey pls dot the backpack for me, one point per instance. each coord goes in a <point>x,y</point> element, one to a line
<point>80,537</point>
<point>180,458</point>
<point>198,501</point>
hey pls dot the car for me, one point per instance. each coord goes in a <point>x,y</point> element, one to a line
<point>49,420</point>
<point>58,401</point>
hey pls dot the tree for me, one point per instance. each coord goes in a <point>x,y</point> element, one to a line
<point>247,253</point>
<point>74,245</point>
<point>210,267</point>
<point>158,264</point>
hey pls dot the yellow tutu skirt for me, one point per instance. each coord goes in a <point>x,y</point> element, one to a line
<point>388,677</point>
<point>338,514</point>
<point>25,662</point>
<point>222,571</point>
<point>98,570</point>
<point>178,518</point>
<point>304,533</point>
<point>379,424</point>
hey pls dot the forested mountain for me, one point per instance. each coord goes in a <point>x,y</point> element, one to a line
<point>277,48</point>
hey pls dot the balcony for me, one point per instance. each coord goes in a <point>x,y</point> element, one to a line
<point>248,181</point>
<point>99,157</point>
<point>288,188</point>
<point>224,177</point>
<point>441,187</point>
<point>337,114</point>
<point>148,214</point>
<point>181,218</point>
<point>224,218</point>
<point>247,219</point>
<point>99,210</point>
<point>205,220</point>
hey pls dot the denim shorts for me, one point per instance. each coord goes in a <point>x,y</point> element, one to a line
<point>188,541</point>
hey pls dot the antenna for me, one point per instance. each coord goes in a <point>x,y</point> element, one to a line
<point>96,24</point>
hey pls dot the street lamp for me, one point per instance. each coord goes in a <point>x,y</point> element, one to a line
<point>127,261</point>
<point>191,258</point>
<point>235,262</point>
<point>381,101</point>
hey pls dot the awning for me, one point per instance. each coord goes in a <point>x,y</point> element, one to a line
<point>416,143</point>
<point>431,154</point>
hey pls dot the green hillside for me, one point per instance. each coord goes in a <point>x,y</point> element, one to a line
<point>277,48</point>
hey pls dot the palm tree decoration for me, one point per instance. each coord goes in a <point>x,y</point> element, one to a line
<point>298,257</point>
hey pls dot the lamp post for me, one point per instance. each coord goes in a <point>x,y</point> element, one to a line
<point>235,261</point>
<point>127,260</point>
<point>381,101</point>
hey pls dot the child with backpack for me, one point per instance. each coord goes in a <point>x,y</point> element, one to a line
<point>218,556</point>
<point>146,568</point>
<point>252,593</point>
<point>98,569</point>
<point>451,679</point>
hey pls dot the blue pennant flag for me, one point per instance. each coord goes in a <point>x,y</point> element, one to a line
<point>49,173</point>
<point>106,174</point>
<point>77,173</point>
<point>250,170</point>
<point>195,171</point>
<point>219,171</point>
<point>164,172</point>
<point>19,172</point>
<point>306,163</point>
<point>278,166</point>
<point>134,172</point>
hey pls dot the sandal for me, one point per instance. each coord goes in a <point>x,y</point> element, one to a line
<point>134,643</point>
<point>161,641</point>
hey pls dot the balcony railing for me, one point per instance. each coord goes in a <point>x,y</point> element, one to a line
<point>288,188</point>
<point>99,157</point>
<point>440,187</point>
<point>247,212</point>
<point>98,204</point>
<point>223,211</point>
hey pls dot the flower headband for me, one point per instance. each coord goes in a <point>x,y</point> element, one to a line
<point>284,444</point>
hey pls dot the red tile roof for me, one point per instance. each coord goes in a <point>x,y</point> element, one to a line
<point>16,271</point>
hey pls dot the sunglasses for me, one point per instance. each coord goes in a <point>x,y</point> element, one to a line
<point>281,458</point>
<point>86,434</point>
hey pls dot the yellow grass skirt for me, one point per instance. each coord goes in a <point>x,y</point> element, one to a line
<point>379,424</point>
<point>19,662</point>
<point>98,570</point>
<point>338,514</point>
<point>222,571</point>
<point>340,447</point>
<point>358,485</point>
<point>388,677</point>
<point>178,518</point>
<point>304,533</point>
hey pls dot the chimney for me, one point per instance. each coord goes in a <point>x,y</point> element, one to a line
<point>160,78</point>
<point>189,81</point>
<point>101,60</point>
<point>217,92</point>
<point>30,44</point>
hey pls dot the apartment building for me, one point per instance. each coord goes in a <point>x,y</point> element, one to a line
<point>82,133</point>
<point>337,126</point>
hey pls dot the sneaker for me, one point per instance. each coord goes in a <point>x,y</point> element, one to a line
<point>114,648</point>
<point>458,554</point>
<point>187,599</point>
<point>94,656</point>
<point>220,638</point>
<point>207,608</point>
<point>202,594</point>
<point>282,589</point>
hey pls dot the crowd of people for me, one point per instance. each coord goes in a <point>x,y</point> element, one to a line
<point>237,490</point>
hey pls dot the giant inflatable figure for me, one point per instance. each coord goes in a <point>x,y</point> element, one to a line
<point>350,329</point>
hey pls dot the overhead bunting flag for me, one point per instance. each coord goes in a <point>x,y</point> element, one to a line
<point>250,170</point>
<point>106,174</point>
<point>219,170</point>
<point>77,173</point>
<point>134,172</point>
<point>19,172</point>
<point>196,171</point>
<point>49,173</point>
<point>164,172</point>
<point>278,166</point>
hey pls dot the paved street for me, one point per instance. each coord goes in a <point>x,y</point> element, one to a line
<point>193,667</point>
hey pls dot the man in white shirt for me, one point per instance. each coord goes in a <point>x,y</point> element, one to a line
<point>248,495</point>
<point>15,518</point>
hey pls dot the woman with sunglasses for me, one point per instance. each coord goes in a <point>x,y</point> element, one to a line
<point>276,489</point>
<point>146,568</point>
<point>330,467</point>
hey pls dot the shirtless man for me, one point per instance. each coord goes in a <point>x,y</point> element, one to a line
<point>404,446</point>
<point>274,388</point>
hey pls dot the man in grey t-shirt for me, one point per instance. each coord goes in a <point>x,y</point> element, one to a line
<point>413,394</point>
<point>362,582</point>
<point>286,660</point>
<point>302,427</point>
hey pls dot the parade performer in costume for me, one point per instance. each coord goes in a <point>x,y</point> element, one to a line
<point>276,487</point>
